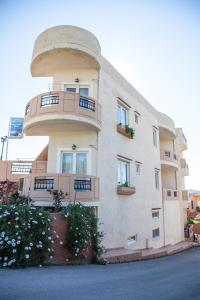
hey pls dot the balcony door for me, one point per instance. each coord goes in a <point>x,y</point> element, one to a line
<point>82,89</point>
<point>74,162</point>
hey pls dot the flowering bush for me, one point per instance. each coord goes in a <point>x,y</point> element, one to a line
<point>25,236</point>
<point>82,227</point>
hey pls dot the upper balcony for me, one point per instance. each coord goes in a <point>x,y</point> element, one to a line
<point>166,127</point>
<point>169,158</point>
<point>60,111</point>
<point>184,167</point>
<point>181,139</point>
<point>65,47</point>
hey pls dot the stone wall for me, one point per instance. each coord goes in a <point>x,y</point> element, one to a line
<point>7,188</point>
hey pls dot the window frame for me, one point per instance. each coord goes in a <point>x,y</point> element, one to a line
<point>157,235</point>
<point>155,137</point>
<point>122,107</point>
<point>157,179</point>
<point>119,164</point>
<point>74,152</point>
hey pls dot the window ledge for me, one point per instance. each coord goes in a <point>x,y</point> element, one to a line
<point>121,129</point>
<point>125,190</point>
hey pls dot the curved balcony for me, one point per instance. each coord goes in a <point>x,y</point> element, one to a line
<point>182,139</point>
<point>166,126</point>
<point>169,158</point>
<point>184,167</point>
<point>57,111</point>
<point>64,47</point>
<point>76,187</point>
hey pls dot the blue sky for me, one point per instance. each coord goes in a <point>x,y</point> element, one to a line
<point>154,44</point>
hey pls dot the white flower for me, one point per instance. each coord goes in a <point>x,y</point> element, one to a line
<point>40,214</point>
<point>43,233</point>
<point>14,250</point>
<point>51,257</point>
<point>54,218</point>
<point>5,258</point>
<point>57,236</point>
<point>27,256</point>
<point>26,248</point>
<point>40,266</point>
<point>31,244</point>
<point>61,243</point>
<point>6,238</point>
<point>16,226</point>
<point>49,238</point>
<point>5,264</point>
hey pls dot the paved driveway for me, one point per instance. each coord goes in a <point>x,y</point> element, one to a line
<point>175,277</point>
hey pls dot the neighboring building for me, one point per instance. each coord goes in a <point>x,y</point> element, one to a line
<point>136,185</point>
<point>194,201</point>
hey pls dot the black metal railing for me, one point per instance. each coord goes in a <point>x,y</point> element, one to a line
<point>21,168</point>
<point>82,185</point>
<point>87,104</point>
<point>44,184</point>
<point>49,100</point>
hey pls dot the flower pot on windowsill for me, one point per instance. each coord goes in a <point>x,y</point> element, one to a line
<point>125,190</point>
<point>125,130</point>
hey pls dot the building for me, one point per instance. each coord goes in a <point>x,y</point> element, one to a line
<point>194,201</point>
<point>109,148</point>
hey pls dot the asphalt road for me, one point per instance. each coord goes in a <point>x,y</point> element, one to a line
<point>174,277</point>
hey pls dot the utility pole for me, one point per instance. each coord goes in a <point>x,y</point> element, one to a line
<point>3,140</point>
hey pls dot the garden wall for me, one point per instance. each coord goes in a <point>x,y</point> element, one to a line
<point>61,254</point>
<point>7,188</point>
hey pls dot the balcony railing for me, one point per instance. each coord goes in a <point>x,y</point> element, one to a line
<point>59,105</point>
<point>82,185</point>
<point>13,170</point>
<point>75,187</point>
<point>87,104</point>
<point>50,99</point>
<point>168,156</point>
<point>21,168</point>
<point>43,184</point>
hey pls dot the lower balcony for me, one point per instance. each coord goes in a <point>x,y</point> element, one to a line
<point>83,188</point>
<point>170,194</point>
<point>12,170</point>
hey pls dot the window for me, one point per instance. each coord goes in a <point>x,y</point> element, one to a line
<point>157,185</point>
<point>155,233</point>
<point>132,239</point>
<point>136,117</point>
<point>123,172</point>
<point>138,167</point>
<point>82,89</point>
<point>74,162</point>
<point>122,115</point>
<point>155,137</point>
<point>155,214</point>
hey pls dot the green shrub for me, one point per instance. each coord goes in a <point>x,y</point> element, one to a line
<point>82,228</point>
<point>25,236</point>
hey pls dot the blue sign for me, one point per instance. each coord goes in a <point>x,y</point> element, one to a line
<point>16,128</point>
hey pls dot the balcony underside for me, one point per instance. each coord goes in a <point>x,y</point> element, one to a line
<point>43,125</point>
<point>166,134</point>
<point>168,165</point>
